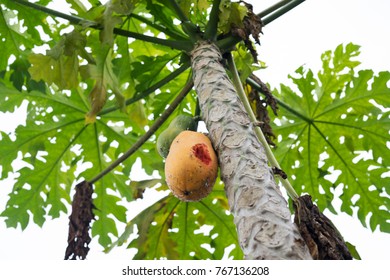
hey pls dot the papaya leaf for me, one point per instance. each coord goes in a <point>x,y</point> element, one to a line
<point>338,122</point>
<point>111,17</point>
<point>354,252</point>
<point>97,98</point>
<point>55,149</point>
<point>106,205</point>
<point>20,76</point>
<point>195,9</point>
<point>78,6</point>
<point>121,63</point>
<point>36,19</point>
<point>138,115</point>
<point>138,187</point>
<point>43,145</point>
<point>50,145</point>
<point>244,62</point>
<point>7,155</point>
<point>158,103</point>
<point>103,74</point>
<point>17,34</point>
<point>60,65</point>
<point>231,13</point>
<point>163,14</point>
<point>173,229</point>
<point>149,70</point>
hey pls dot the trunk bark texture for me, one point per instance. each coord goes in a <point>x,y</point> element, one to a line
<point>263,220</point>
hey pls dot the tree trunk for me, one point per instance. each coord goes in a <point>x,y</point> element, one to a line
<point>261,215</point>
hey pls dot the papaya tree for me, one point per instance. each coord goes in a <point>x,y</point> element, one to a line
<point>103,81</point>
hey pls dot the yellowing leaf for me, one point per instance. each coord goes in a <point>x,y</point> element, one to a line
<point>193,6</point>
<point>102,72</point>
<point>41,67</point>
<point>60,65</point>
<point>138,115</point>
<point>97,97</point>
<point>62,72</point>
<point>231,14</point>
<point>110,18</point>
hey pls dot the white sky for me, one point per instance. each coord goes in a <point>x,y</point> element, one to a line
<point>296,38</point>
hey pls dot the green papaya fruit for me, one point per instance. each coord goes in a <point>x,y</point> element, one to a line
<point>183,122</point>
<point>178,124</point>
<point>165,139</point>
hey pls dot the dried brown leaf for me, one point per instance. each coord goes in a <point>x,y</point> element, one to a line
<point>79,222</point>
<point>321,236</point>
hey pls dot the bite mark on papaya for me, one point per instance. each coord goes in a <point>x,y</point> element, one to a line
<point>201,152</point>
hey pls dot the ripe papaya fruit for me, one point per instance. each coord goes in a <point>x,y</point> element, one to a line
<point>178,124</point>
<point>191,166</point>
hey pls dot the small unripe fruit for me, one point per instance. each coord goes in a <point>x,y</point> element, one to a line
<point>165,140</point>
<point>191,167</point>
<point>178,124</point>
<point>183,122</point>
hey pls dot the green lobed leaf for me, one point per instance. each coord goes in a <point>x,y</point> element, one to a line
<point>149,70</point>
<point>53,144</point>
<point>138,187</point>
<point>42,145</point>
<point>244,62</point>
<point>21,78</point>
<point>57,149</point>
<point>163,14</point>
<point>195,9</point>
<point>338,123</point>
<point>177,230</point>
<point>354,252</point>
<point>17,35</point>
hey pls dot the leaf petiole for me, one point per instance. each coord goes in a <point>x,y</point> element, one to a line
<point>212,25</point>
<point>164,116</point>
<point>151,89</point>
<point>240,90</point>
<point>182,45</point>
